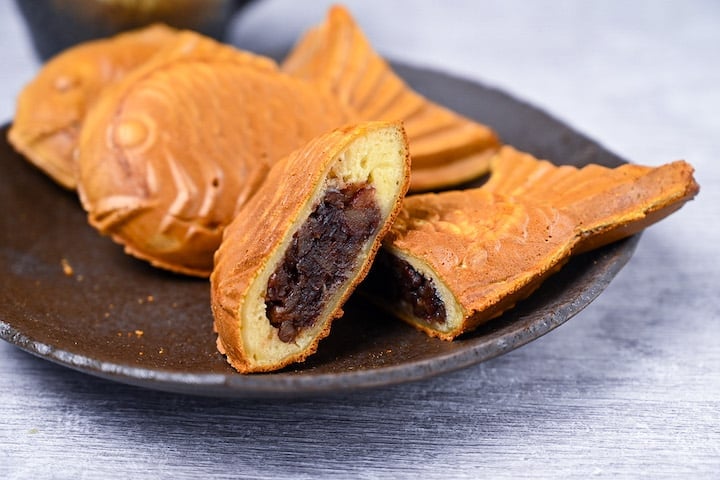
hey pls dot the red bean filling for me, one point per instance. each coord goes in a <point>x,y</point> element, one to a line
<point>319,258</point>
<point>397,281</point>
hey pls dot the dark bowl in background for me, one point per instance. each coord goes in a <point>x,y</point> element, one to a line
<point>55,25</point>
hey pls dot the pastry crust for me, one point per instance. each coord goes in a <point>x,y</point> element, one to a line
<point>257,240</point>
<point>168,154</point>
<point>447,149</point>
<point>51,108</point>
<point>484,249</point>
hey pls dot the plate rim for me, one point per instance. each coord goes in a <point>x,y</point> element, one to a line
<point>275,384</point>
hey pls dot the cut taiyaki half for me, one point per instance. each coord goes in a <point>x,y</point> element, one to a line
<point>454,260</point>
<point>51,108</point>
<point>296,250</point>
<point>169,153</point>
<point>447,149</point>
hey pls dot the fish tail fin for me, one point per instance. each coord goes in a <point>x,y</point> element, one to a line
<point>446,147</point>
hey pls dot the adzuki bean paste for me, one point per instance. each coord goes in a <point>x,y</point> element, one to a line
<point>398,282</point>
<point>322,253</point>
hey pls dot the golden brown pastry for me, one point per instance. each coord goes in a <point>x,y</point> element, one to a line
<point>296,250</point>
<point>447,149</point>
<point>51,108</point>
<point>169,153</point>
<point>457,259</point>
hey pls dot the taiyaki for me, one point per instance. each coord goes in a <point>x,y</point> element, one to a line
<point>454,260</point>
<point>295,251</point>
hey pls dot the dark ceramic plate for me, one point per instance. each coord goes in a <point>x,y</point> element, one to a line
<point>73,297</point>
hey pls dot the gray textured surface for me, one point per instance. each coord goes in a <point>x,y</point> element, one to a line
<point>629,388</point>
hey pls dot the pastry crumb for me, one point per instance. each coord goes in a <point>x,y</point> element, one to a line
<point>66,267</point>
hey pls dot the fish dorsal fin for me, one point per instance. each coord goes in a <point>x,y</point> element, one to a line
<point>446,148</point>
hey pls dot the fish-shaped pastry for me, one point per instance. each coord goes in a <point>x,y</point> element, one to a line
<point>297,248</point>
<point>456,259</point>
<point>168,154</point>
<point>51,108</point>
<point>446,148</point>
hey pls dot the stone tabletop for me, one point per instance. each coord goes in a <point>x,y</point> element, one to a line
<point>629,388</point>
